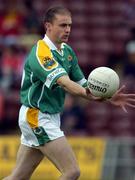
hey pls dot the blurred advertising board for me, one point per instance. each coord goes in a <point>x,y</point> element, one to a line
<point>89,153</point>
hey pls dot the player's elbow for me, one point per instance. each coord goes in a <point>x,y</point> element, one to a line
<point>63,81</point>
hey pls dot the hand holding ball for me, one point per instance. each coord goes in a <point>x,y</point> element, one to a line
<point>103,82</point>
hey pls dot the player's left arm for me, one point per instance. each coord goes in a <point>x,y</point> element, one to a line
<point>74,88</point>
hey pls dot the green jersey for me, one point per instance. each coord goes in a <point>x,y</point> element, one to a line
<point>43,66</point>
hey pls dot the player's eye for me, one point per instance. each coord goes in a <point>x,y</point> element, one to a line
<point>65,25</point>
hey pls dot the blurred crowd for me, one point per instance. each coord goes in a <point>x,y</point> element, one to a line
<point>100,37</point>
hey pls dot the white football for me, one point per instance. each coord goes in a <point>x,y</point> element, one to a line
<point>103,82</point>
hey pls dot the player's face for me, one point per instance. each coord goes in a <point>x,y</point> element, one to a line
<point>59,29</point>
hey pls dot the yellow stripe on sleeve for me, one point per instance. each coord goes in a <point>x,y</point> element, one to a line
<point>45,56</point>
<point>43,51</point>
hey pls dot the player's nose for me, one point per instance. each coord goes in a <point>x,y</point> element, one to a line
<point>67,29</point>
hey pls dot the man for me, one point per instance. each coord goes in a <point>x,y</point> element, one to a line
<point>51,70</point>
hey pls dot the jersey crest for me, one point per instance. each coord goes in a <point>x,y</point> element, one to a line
<point>49,63</point>
<point>70,58</point>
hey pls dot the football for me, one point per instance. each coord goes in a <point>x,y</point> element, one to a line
<point>103,82</point>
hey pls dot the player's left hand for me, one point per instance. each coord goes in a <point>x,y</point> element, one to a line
<point>123,100</point>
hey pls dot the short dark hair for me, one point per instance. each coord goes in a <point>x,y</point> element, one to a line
<point>51,12</point>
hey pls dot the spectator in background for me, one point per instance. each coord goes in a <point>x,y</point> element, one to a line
<point>31,19</point>
<point>1,106</point>
<point>129,66</point>
<point>123,59</point>
<point>11,21</point>
<point>11,61</point>
<point>116,59</point>
<point>73,117</point>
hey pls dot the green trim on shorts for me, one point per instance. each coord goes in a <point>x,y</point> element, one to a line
<point>41,135</point>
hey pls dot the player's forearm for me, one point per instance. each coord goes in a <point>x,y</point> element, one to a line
<point>76,89</point>
<point>72,87</point>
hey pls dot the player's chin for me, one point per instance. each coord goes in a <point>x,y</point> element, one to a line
<point>65,39</point>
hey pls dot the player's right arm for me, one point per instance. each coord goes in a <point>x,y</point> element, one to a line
<point>118,99</point>
<point>74,88</point>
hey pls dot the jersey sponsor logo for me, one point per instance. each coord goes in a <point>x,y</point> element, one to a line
<point>53,75</point>
<point>49,63</point>
<point>70,58</point>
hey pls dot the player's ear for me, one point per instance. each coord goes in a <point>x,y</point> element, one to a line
<point>47,26</point>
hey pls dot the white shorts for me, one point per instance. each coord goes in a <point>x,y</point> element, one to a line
<point>38,128</point>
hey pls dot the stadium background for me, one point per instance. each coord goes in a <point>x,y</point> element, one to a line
<point>103,34</point>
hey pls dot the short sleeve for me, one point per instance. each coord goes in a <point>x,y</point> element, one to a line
<point>44,66</point>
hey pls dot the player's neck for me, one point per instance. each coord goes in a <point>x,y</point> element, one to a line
<point>57,45</point>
